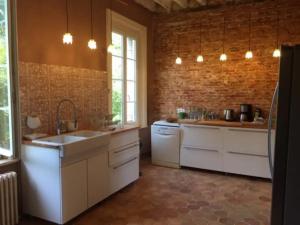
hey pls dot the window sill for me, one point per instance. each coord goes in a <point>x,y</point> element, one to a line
<point>6,162</point>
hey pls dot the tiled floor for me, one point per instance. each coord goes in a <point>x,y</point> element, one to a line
<point>164,196</point>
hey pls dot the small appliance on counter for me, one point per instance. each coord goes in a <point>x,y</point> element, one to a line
<point>229,115</point>
<point>246,113</point>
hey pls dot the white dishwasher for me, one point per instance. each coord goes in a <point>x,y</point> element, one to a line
<point>165,144</point>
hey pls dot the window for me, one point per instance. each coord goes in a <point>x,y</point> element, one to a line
<point>124,78</point>
<point>127,67</point>
<point>6,110</point>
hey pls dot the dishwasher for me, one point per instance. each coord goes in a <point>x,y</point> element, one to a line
<point>165,144</point>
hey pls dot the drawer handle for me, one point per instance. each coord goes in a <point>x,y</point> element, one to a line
<point>200,149</point>
<point>248,131</point>
<point>248,154</point>
<point>124,149</point>
<point>123,164</point>
<point>200,127</point>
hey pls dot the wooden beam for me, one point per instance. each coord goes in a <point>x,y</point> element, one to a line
<point>182,3</point>
<point>202,2</point>
<point>147,4</point>
<point>166,4</point>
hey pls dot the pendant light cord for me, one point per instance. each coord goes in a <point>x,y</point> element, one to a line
<point>67,15</point>
<point>277,24</point>
<point>224,29</point>
<point>250,26</point>
<point>201,37</point>
<point>92,24</point>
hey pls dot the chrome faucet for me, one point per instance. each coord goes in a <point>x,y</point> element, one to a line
<point>59,123</point>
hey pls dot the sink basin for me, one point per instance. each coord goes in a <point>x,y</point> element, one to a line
<point>86,133</point>
<point>58,140</point>
<point>77,143</point>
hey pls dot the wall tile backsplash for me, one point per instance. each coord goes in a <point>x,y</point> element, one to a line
<point>43,86</point>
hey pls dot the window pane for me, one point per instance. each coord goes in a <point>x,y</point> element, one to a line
<point>3,32</point>
<point>117,41</point>
<point>131,69</point>
<point>5,110</point>
<point>3,87</point>
<point>130,91</point>
<point>117,67</point>
<point>4,131</point>
<point>131,116</point>
<point>131,48</point>
<point>117,99</point>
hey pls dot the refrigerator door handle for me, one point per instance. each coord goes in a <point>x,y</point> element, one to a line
<point>270,130</point>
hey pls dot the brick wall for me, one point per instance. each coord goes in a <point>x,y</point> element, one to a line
<point>212,84</point>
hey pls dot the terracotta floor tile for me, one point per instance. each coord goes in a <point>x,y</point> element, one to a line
<point>164,196</point>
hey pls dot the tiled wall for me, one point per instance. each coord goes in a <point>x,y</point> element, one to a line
<point>212,84</point>
<point>43,86</point>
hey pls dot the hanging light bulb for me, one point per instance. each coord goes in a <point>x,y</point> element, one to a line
<point>178,61</point>
<point>223,57</point>
<point>200,58</point>
<point>249,55</point>
<point>67,37</point>
<point>277,53</point>
<point>110,48</point>
<point>92,44</point>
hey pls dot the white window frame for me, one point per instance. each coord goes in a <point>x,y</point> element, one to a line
<point>136,30</point>
<point>13,83</point>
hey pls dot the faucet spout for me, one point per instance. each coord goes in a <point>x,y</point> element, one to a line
<point>59,129</point>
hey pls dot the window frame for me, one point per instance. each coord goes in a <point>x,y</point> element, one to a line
<point>130,29</point>
<point>12,65</point>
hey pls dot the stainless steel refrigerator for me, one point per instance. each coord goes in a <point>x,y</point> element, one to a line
<point>286,115</point>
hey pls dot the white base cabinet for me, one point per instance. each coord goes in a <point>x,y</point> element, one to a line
<point>123,160</point>
<point>234,150</point>
<point>58,189</point>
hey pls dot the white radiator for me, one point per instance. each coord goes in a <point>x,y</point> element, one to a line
<point>9,214</point>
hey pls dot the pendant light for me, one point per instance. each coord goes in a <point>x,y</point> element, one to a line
<point>249,53</point>
<point>178,60</point>
<point>223,56</point>
<point>67,37</point>
<point>110,47</point>
<point>277,52</point>
<point>200,58</point>
<point>92,44</point>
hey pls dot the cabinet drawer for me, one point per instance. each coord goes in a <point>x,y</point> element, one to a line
<point>122,139</point>
<point>123,174</point>
<point>201,158</point>
<point>120,155</point>
<point>244,164</point>
<point>247,141</point>
<point>204,137</point>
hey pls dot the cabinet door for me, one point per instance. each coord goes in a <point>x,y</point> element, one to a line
<point>74,190</point>
<point>124,174</point>
<point>98,181</point>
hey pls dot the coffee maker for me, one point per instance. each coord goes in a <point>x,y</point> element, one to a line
<point>246,112</point>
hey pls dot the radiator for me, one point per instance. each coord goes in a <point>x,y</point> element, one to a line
<point>9,214</point>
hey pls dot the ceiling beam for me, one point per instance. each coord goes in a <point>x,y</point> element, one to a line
<point>202,2</point>
<point>166,4</point>
<point>182,3</point>
<point>147,4</point>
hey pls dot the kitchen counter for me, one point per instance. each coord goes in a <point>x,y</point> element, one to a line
<point>222,123</point>
<point>117,131</point>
